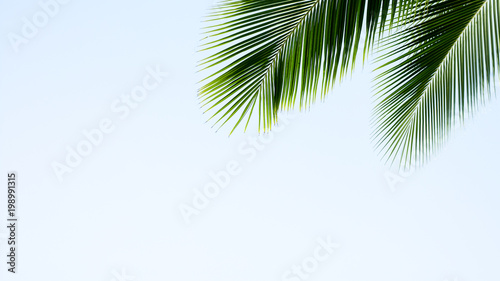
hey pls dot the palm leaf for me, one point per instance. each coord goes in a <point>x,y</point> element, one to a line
<point>276,54</point>
<point>437,72</point>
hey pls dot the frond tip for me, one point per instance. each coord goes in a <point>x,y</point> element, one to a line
<point>436,72</point>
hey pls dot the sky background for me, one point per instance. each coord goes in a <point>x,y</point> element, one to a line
<point>117,215</point>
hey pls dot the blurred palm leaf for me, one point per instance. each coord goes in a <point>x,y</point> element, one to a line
<point>437,72</point>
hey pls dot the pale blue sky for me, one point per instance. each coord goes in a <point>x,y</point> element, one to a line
<point>317,177</point>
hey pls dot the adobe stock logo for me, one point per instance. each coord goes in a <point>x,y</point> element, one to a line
<point>30,28</point>
<point>221,179</point>
<point>121,107</point>
<point>310,264</point>
<point>121,276</point>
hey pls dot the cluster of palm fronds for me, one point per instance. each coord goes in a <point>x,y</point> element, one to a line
<point>273,55</point>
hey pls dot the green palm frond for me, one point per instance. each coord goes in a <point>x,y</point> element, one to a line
<point>437,72</point>
<point>279,53</point>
